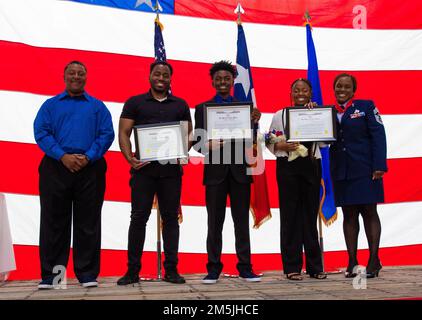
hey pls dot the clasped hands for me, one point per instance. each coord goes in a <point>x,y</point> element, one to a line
<point>74,162</point>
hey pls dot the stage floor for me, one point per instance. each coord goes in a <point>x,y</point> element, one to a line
<point>393,283</point>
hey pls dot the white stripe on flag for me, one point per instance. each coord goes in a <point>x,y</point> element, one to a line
<point>403,131</point>
<point>51,23</point>
<point>24,220</point>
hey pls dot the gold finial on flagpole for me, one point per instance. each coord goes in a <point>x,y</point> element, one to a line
<point>157,9</point>
<point>239,11</point>
<point>307,18</point>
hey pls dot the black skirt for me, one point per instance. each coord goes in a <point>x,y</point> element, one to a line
<point>358,191</point>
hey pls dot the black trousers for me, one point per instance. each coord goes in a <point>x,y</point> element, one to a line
<point>216,198</point>
<point>298,190</point>
<point>63,196</point>
<point>168,191</point>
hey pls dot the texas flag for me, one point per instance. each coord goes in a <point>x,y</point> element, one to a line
<point>244,91</point>
<point>371,39</point>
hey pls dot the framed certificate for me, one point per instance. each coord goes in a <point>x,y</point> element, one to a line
<point>317,124</point>
<point>161,141</point>
<point>228,121</point>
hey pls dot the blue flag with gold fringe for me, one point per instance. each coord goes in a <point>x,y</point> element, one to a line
<point>327,207</point>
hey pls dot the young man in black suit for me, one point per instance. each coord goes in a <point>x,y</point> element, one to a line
<point>224,176</point>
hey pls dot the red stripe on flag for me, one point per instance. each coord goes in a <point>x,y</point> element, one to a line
<point>23,161</point>
<point>381,14</point>
<point>113,262</point>
<point>116,77</point>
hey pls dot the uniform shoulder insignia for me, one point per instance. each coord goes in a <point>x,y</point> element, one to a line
<point>377,116</point>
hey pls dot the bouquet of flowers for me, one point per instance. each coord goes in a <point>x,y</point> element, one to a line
<point>275,136</point>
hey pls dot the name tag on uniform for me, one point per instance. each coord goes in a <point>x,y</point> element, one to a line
<point>357,114</point>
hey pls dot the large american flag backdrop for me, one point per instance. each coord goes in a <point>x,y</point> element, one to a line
<point>379,41</point>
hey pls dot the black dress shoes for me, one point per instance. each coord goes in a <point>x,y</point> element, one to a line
<point>174,277</point>
<point>128,278</point>
<point>351,272</point>
<point>348,274</point>
<point>352,268</point>
<point>375,273</point>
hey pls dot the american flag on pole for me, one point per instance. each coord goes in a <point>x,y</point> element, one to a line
<point>373,40</point>
<point>159,48</point>
<point>160,55</point>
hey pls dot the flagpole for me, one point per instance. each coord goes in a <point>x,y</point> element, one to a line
<point>156,8</point>
<point>321,241</point>
<point>159,270</point>
<point>307,18</point>
<point>239,22</point>
<point>242,63</point>
<point>314,78</point>
<point>239,10</point>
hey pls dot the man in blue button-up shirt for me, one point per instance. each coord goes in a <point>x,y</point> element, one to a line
<point>74,130</point>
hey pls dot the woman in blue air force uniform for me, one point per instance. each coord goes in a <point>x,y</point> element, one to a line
<point>358,163</point>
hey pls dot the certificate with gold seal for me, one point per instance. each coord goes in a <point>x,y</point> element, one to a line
<point>317,124</point>
<point>228,121</point>
<point>161,141</point>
